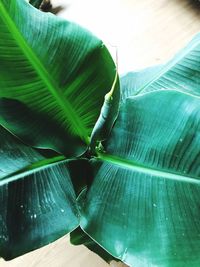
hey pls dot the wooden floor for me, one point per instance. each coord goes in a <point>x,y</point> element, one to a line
<point>146,32</point>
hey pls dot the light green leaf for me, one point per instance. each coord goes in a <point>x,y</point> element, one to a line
<point>144,204</point>
<point>181,73</point>
<point>56,71</point>
<point>131,82</point>
<point>108,116</point>
<point>37,198</point>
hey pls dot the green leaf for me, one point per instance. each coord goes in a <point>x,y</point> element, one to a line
<point>182,73</point>
<point>131,82</point>
<point>108,116</point>
<point>79,237</point>
<point>56,71</point>
<point>37,198</point>
<point>143,206</point>
<point>81,174</point>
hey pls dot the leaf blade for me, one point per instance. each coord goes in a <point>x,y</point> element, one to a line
<point>180,73</point>
<point>60,85</point>
<point>78,237</point>
<point>131,82</point>
<point>35,192</point>
<point>138,215</point>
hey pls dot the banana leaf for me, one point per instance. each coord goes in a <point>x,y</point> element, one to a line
<point>181,73</point>
<point>56,71</point>
<point>79,237</point>
<point>143,206</point>
<point>38,201</point>
<point>132,82</point>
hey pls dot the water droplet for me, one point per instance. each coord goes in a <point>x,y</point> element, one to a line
<point>21,206</point>
<point>181,140</point>
<point>33,216</point>
<point>62,210</point>
<point>154,204</point>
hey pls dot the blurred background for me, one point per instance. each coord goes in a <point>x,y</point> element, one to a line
<point>145,32</point>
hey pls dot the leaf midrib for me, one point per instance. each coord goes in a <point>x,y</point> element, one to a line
<point>32,168</point>
<point>135,166</point>
<point>168,66</point>
<point>70,114</point>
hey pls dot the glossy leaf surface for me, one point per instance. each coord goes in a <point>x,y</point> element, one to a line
<point>132,82</point>
<point>143,206</point>
<point>37,199</point>
<point>182,73</point>
<point>56,73</point>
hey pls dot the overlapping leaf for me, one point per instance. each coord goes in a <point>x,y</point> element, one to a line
<point>143,206</point>
<point>79,237</point>
<point>132,82</point>
<point>55,73</point>
<point>182,73</point>
<point>37,198</point>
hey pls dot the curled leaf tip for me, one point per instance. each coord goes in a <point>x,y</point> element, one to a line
<point>108,96</point>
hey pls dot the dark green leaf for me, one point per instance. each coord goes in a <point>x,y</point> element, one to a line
<point>55,70</point>
<point>37,199</point>
<point>144,206</point>
<point>36,3</point>
<point>79,237</point>
<point>81,174</point>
